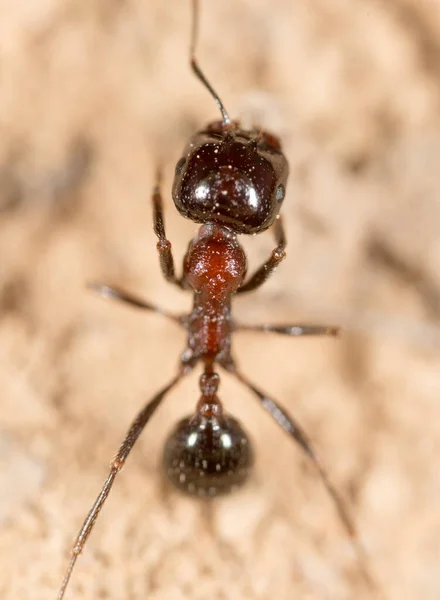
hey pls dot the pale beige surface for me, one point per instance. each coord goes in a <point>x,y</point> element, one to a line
<point>92,94</point>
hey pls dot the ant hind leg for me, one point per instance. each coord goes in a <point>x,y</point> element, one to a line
<point>295,431</point>
<point>118,462</point>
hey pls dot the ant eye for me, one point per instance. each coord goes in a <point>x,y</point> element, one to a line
<point>208,457</point>
<point>180,165</point>
<point>270,142</point>
<point>281,192</point>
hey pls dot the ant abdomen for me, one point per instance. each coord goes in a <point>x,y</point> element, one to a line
<point>208,456</point>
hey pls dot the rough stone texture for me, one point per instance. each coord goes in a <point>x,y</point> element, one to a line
<point>92,96</point>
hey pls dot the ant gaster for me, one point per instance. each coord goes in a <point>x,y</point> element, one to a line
<point>232,181</point>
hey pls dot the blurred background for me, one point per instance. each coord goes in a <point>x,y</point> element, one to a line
<point>92,96</point>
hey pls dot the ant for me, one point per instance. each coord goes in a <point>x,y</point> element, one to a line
<point>231,181</point>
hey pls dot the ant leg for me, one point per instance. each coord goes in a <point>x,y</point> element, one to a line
<point>292,428</point>
<point>118,462</point>
<point>163,245</point>
<point>292,330</point>
<point>267,268</point>
<point>106,291</point>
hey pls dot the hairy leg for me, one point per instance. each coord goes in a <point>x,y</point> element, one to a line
<point>295,431</point>
<point>118,462</point>
<point>292,330</point>
<point>163,245</point>
<point>115,293</point>
<point>267,268</point>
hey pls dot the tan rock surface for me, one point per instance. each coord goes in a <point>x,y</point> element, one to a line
<point>92,95</point>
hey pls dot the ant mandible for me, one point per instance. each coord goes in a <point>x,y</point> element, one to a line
<point>231,181</point>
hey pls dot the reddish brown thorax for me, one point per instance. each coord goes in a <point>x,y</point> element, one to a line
<point>214,266</point>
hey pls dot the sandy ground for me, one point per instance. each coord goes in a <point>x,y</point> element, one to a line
<point>92,96</point>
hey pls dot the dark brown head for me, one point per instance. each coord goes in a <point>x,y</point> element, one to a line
<point>232,177</point>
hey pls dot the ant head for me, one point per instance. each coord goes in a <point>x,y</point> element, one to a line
<point>233,177</point>
<point>227,175</point>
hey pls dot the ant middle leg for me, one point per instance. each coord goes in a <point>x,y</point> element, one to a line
<point>295,431</point>
<point>267,268</point>
<point>118,462</point>
<point>116,293</point>
<point>294,330</point>
<point>166,258</point>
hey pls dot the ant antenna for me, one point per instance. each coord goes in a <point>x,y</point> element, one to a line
<point>195,66</point>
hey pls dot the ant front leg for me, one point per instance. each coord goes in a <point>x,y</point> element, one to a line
<point>267,268</point>
<point>163,245</point>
